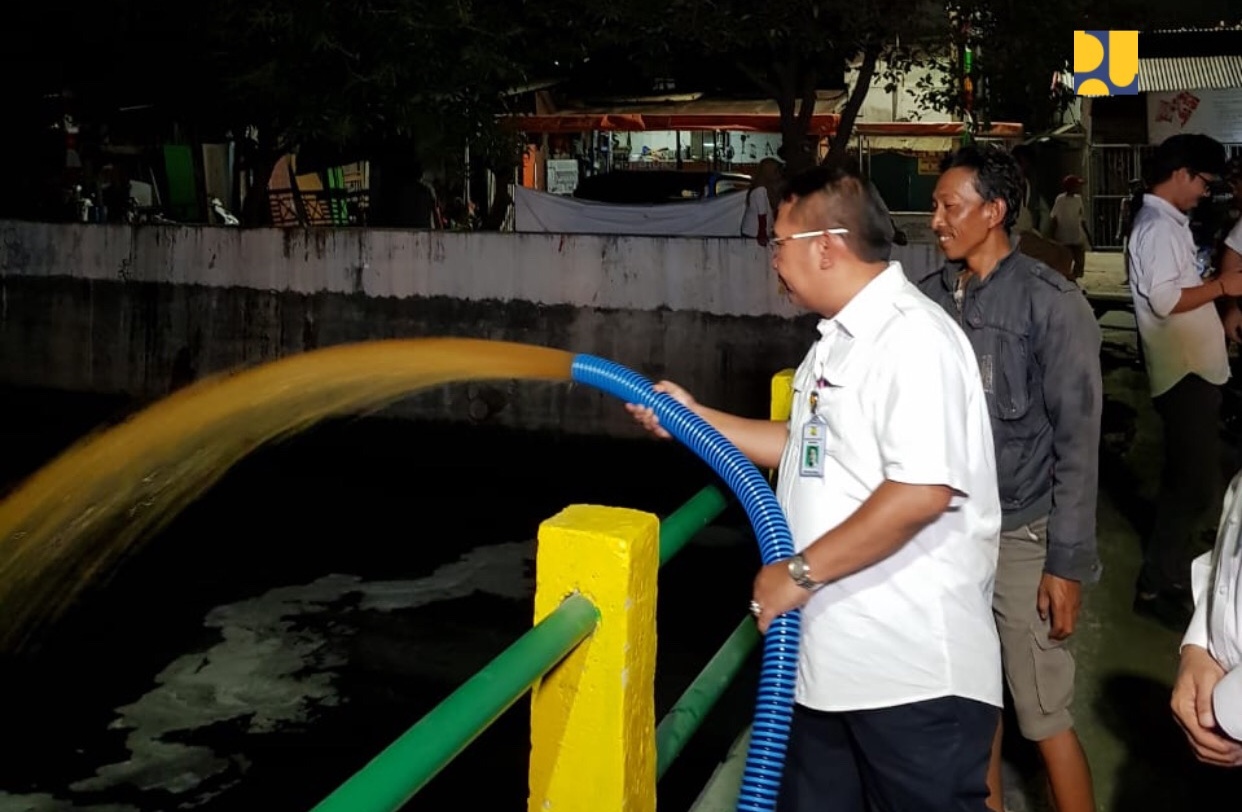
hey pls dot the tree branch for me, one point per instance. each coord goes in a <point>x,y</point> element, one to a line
<point>853,105</point>
<point>809,96</point>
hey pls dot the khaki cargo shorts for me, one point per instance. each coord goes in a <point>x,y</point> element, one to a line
<point>1039,671</point>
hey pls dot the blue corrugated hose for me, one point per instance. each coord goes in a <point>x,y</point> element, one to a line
<point>774,706</point>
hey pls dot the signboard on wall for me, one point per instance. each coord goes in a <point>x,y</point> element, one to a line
<point>1217,113</point>
<point>562,176</point>
<point>929,162</point>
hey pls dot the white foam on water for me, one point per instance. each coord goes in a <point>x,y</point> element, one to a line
<point>42,802</point>
<point>270,670</point>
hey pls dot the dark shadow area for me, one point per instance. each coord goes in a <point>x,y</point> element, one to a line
<point>1159,773</point>
<point>1118,427</point>
<point>1118,430</point>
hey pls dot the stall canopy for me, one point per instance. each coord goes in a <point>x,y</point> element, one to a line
<point>687,113</point>
<point>737,116</point>
<point>822,125</point>
<point>640,122</point>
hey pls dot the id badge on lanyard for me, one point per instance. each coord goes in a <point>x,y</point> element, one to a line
<point>814,441</point>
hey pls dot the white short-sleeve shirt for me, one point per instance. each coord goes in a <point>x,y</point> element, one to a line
<point>758,213</point>
<point>1162,257</point>
<point>1234,238</point>
<point>899,388</point>
<point>1067,211</point>
<point>1216,579</point>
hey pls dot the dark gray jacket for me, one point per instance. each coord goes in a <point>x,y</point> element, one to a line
<point>1038,346</point>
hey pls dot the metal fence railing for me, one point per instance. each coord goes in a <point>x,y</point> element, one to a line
<point>1111,167</point>
<point>409,763</point>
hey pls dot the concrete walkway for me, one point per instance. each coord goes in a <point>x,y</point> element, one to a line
<point>1126,664</point>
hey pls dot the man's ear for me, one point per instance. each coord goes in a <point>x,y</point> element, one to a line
<point>827,253</point>
<point>997,210</point>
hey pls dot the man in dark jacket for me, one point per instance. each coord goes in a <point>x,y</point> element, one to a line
<point>1038,346</point>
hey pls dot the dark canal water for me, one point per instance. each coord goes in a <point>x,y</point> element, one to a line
<point>319,600</point>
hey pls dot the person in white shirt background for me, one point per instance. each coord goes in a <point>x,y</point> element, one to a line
<point>1183,341</point>
<point>887,475</point>
<point>1068,222</point>
<point>762,199</point>
<point>1207,694</point>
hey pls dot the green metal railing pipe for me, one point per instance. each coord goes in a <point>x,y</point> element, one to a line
<point>682,524</point>
<point>685,717</point>
<point>407,764</point>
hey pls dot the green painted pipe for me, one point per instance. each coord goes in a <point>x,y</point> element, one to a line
<point>685,717</point>
<point>681,525</point>
<point>406,765</point>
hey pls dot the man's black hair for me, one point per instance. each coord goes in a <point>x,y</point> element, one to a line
<point>1199,154</point>
<point>997,176</point>
<point>848,200</point>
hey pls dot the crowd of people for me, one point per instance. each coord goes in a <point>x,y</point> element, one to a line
<point>939,473</point>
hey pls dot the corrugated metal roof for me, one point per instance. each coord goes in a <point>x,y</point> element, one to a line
<point>1190,73</point>
<point>1198,29</point>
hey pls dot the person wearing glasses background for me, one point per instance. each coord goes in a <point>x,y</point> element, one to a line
<point>887,476</point>
<point>1038,346</point>
<point>1176,306</point>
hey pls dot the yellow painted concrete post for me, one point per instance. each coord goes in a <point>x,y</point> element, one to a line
<point>593,716</point>
<point>782,395</point>
<point>782,403</point>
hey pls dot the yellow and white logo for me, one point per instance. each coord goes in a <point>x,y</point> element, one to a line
<point>1106,63</point>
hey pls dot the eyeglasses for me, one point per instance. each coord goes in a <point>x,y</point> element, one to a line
<point>776,242</point>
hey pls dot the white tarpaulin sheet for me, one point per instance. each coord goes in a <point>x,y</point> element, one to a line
<point>707,217</point>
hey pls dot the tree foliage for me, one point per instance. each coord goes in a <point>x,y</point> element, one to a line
<point>376,73</point>
<point>1020,51</point>
<point>367,70</point>
<point>783,51</point>
<point>786,51</point>
<point>334,72</point>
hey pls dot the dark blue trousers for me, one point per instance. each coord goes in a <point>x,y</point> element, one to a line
<point>927,756</point>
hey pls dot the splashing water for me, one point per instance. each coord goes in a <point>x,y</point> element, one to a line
<point>75,519</point>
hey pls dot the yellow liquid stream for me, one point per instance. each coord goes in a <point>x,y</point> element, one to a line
<point>73,520</point>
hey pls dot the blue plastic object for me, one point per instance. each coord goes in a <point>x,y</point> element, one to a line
<point>765,759</point>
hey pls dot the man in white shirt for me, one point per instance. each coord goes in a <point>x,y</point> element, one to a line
<point>1207,696</point>
<point>1184,348</point>
<point>887,475</point>
<point>1068,223</point>
<point>761,201</point>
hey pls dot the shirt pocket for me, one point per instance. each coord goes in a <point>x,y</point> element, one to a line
<point>850,442</point>
<point>1003,366</point>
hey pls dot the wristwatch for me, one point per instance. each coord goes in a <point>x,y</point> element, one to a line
<point>800,572</point>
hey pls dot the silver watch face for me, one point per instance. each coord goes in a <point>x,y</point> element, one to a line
<point>800,572</point>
